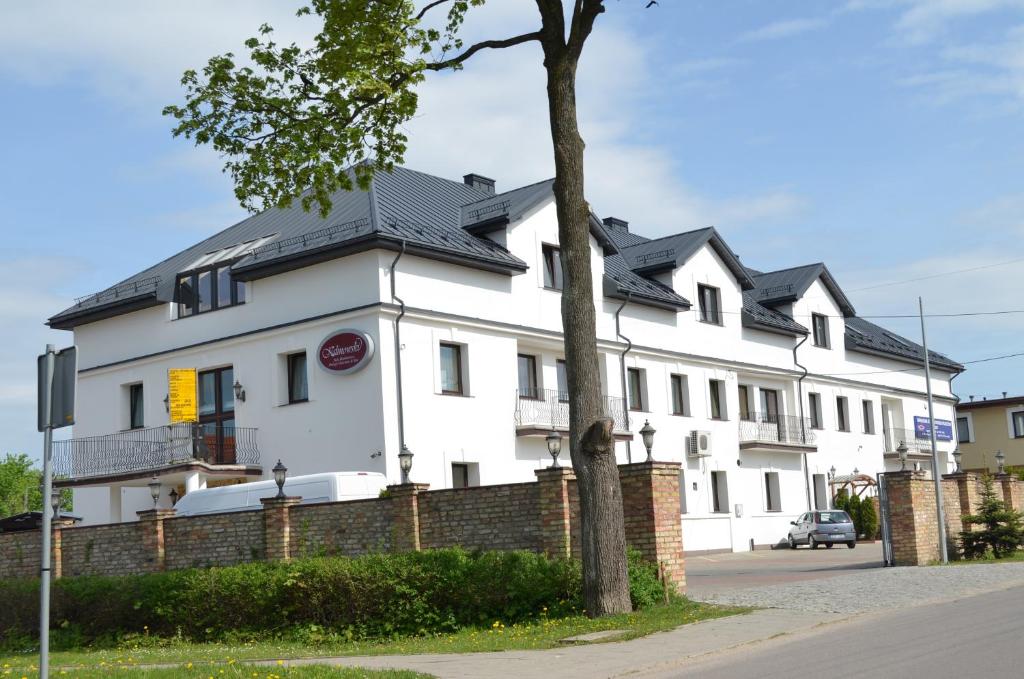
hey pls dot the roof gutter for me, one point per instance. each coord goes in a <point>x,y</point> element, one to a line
<point>622,370</point>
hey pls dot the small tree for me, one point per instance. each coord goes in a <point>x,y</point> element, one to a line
<point>841,499</point>
<point>853,509</point>
<point>1002,528</point>
<point>868,519</point>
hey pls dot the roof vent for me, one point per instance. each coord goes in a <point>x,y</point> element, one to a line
<point>479,182</point>
<point>616,223</point>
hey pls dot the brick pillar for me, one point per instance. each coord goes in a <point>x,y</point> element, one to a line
<point>968,490</point>
<point>56,557</point>
<point>650,503</point>
<point>277,526</point>
<point>1013,491</point>
<point>405,516</point>
<point>912,518</point>
<point>151,523</point>
<point>952,511</point>
<point>555,531</point>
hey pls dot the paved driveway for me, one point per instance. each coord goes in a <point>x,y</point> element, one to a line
<point>718,572</point>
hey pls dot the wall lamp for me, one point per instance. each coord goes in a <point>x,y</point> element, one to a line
<point>239,391</point>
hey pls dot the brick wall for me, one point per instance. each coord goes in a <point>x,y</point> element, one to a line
<point>486,517</point>
<point>342,528</point>
<point>214,540</point>
<point>112,549</point>
<point>19,554</point>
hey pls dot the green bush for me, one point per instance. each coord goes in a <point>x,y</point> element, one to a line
<point>1001,528</point>
<point>372,596</point>
<point>853,509</point>
<point>868,519</point>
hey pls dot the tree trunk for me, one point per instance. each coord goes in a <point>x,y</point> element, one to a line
<point>591,445</point>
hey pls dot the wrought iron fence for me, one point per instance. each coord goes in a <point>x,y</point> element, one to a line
<point>893,436</point>
<point>770,428</point>
<point>549,408</point>
<point>154,448</point>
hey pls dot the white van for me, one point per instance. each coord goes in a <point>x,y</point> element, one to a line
<point>329,487</point>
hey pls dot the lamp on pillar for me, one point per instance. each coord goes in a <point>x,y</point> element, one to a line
<point>154,490</point>
<point>405,462</point>
<point>902,451</point>
<point>832,473</point>
<point>957,457</point>
<point>55,502</point>
<point>647,434</point>
<point>174,496</point>
<point>280,474</point>
<point>554,441</point>
<point>1000,461</point>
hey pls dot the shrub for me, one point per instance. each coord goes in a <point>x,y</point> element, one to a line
<point>1002,529</point>
<point>868,519</point>
<point>372,596</point>
<point>853,509</point>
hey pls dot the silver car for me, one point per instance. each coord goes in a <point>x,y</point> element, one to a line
<point>822,528</point>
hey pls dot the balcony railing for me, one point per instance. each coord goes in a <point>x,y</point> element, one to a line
<point>769,428</point>
<point>145,450</point>
<point>549,408</point>
<point>893,436</point>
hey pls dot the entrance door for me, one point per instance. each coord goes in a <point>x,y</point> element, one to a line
<point>770,411</point>
<point>216,439</point>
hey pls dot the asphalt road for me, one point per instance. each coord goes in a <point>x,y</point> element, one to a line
<point>977,636</point>
<point>716,572</point>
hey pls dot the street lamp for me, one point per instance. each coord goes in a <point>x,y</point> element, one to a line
<point>832,473</point>
<point>280,474</point>
<point>647,434</point>
<point>957,457</point>
<point>405,462</point>
<point>154,491</point>
<point>1000,460</point>
<point>554,441</point>
<point>55,502</point>
<point>902,451</point>
<point>174,496</point>
<point>856,471</point>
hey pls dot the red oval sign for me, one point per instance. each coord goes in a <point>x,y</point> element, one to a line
<point>345,351</point>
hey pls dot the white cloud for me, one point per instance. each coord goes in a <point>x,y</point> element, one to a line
<point>779,30</point>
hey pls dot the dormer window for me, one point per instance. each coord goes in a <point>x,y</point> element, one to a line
<point>552,267</point>
<point>710,304</point>
<point>207,290</point>
<point>819,324</point>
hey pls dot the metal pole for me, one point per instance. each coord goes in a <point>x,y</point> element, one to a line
<point>44,561</point>
<point>943,550</point>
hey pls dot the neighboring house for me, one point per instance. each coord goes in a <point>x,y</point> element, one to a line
<point>986,427</point>
<point>758,382</point>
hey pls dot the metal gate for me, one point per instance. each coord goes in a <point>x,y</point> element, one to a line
<point>883,510</point>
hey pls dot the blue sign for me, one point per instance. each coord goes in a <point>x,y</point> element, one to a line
<point>943,429</point>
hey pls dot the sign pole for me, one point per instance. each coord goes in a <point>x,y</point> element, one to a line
<point>943,550</point>
<point>44,569</point>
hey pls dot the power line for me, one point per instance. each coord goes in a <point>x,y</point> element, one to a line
<point>907,370</point>
<point>939,275</point>
<point>1001,312</point>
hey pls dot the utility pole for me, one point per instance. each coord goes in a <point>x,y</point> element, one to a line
<point>943,550</point>
<point>46,404</point>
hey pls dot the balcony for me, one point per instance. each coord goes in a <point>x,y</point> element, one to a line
<point>917,449</point>
<point>775,433</point>
<point>538,411</point>
<point>140,453</point>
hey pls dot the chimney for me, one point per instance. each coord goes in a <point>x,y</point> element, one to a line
<point>616,223</point>
<point>972,398</point>
<point>1004,394</point>
<point>480,182</point>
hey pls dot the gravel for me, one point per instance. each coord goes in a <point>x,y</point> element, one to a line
<point>875,589</point>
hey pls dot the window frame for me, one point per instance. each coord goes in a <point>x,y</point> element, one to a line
<point>772,492</point>
<point>842,414</point>
<point>562,380</point>
<point>554,278</point>
<point>236,298</point>
<point>963,435</point>
<point>132,411</point>
<point>465,470</point>
<point>290,361</point>
<point>814,407</point>
<point>1015,417</point>
<point>532,391</point>
<point>867,413</point>
<point>679,388</point>
<point>640,405</point>
<point>708,315</point>
<point>717,488</point>
<point>743,392</point>
<point>716,392</point>
<point>460,378</point>
<point>823,340</point>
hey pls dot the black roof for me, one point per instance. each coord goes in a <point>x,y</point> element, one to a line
<point>788,285</point>
<point>866,337</point>
<point>670,252</point>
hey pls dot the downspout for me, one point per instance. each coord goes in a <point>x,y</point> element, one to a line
<point>398,351</point>
<point>803,425</point>
<point>622,372</point>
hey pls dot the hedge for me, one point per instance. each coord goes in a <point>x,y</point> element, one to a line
<point>373,596</point>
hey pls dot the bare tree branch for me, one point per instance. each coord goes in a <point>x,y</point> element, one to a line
<point>429,7</point>
<point>583,18</point>
<point>486,44</point>
<point>553,21</point>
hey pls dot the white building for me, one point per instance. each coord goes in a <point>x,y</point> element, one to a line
<point>464,284</point>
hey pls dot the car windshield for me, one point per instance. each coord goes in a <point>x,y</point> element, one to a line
<point>833,517</point>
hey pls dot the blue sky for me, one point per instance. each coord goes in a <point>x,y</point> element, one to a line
<point>885,138</point>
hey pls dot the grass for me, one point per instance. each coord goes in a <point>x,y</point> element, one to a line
<point>205,671</point>
<point>543,633</point>
<point>1016,557</point>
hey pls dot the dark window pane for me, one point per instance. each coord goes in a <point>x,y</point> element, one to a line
<point>204,290</point>
<point>451,369</point>
<point>552,267</point>
<point>678,395</point>
<point>527,366</point>
<point>207,393</point>
<point>135,406</point>
<point>239,292</point>
<point>636,398</point>
<point>963,432</point>
<point>186,296</point>
<point>562,381</point>
<point>715,392</point>
<point>460,475</point>
<point>744,402</point>
<point>298,386</point>
<point>227,390</point>
<point>708,300</point>
<point>223,286</point>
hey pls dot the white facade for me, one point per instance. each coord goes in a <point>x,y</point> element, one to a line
<point>349,419</point>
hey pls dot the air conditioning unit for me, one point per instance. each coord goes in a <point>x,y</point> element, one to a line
<point>700,444</point>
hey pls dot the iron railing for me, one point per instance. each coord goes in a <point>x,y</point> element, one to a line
<point>893,436</point>
<point>549,408</point>
<point>143,450</point>
<point>771,428</point>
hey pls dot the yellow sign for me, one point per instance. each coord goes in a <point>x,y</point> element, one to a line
<point>183,395</point>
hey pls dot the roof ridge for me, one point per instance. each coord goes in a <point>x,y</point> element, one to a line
<point>434,176</point>
<point>791,268</point>
<point>518,188</point>
<point>673,235</point>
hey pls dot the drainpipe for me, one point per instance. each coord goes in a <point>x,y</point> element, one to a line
<point>803,426</point>
<point>622,372</point>
<point>398,350</point>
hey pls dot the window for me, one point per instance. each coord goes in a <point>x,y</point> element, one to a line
<point>680,395</point>
<point>819,324</point>
<point>527,376</point>
<point>561,381</point>
<point>1018,424</point>
<point>635,384</point>
<point>710,304</point>
<point>868,410</point>
<point>136,418</point>
<point>682,491</point>
<point>716,391</point>
<point>772,496</point>
<point>963,429</point>
<point>552,267</point>
<point>719,492</point>
<point>298,382</point>
<point>745,413</point>
<point>814,406</point>
<point>770,406</point>
<point>208,289</point>
<point>842,413</point>
<point>451,369</point>
<point>460,475</point>
<point>820,497</point>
